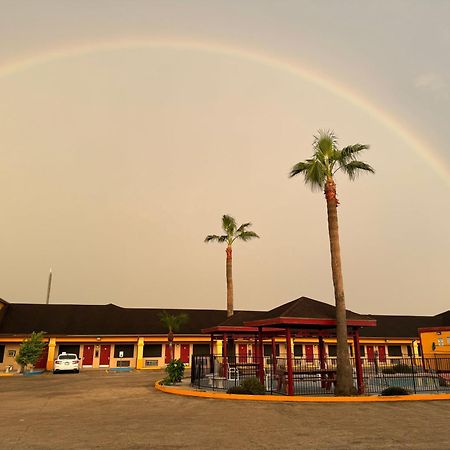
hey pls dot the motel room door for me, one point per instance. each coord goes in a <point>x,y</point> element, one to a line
<point>42,361</point>
<point>88,355</point>
<point>242,353</point>
<point>382,353</point>
<point>167,356</point>
<point>370,353</point>
<point>309,351</point>
<point>184,353</point>
<point>105,353</point>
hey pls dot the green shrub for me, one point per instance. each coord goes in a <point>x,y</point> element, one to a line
<point>403,368</point>
<point>395,390</point>
<point>388,370</point>
<point>30,350</point>
<point>253,385</point>
<point>238,390</point>
<point>175,371</point>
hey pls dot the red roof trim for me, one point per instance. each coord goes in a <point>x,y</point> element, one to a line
<point>307,321</point>
<point>230,329</point>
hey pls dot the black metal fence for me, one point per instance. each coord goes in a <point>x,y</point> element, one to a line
<point>311,377</point>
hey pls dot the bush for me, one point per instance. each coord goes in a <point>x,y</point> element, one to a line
<point>238,390</point>
<point>30,350</point>
<point>253,385</point>
<point>395,390</point>
<point>175,372</point>
<point>403,368</point>
<point>388,370</point>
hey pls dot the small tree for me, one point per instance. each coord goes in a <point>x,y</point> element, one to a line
<point>173,323</point>
<point>30,350</point>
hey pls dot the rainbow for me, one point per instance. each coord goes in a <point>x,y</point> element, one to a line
<point>433,160</point>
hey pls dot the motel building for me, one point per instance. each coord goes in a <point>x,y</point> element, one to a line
<point>109,336</point>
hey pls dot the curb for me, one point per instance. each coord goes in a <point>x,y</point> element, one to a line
<point>284,399</point>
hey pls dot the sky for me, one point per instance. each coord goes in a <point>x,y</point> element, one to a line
<point>128,128</point>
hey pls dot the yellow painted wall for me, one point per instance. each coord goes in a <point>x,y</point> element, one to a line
<point>428,338</point>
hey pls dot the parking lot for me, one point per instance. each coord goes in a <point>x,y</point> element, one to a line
<point>97,409</point>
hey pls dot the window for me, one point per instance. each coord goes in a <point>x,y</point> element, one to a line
<point>298,350</point>
<point>332,350</point>
<point>2,352</point>
<point>127,349</point>
<point>395,350</point>
<point>152,351</point>
<point>440,342</point>
<point>201,349</point>
<point>268,350</point>
<point>448,340</point>
<point>69,349</point>
<point>67,357</point>
<point>409,348</point>
<point>350,351</point>
<point>362,350</point>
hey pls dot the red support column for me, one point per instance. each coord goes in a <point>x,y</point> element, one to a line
<point>274,355</point>
<point>359,370</point>
<point>261,356</point>
<point>256,356</point>
<point>289,362</point>
<point>225,355</point>
<point>211,357</point>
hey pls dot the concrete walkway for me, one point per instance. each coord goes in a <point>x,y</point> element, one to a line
<point>123,410</point>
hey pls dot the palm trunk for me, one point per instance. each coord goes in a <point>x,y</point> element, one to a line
<point>229,266</point>
<point>344,378</point>
<point>170,339</point>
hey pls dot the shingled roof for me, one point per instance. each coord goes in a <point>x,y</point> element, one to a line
<point>92,320</point>
<point>110,319</point>
<point>404,326</point>
<point>308,308</point>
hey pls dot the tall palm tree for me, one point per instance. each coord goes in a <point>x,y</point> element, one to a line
<point>232,233</point>
<point>319,173</point>
<point>173,324</point>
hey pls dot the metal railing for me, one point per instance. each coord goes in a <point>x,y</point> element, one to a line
<point>313,377</point>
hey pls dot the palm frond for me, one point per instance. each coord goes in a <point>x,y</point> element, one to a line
<point>173,322</point>
<point>228,224</point>
<point>212,238</point>
<point>300,167</point>
<point>325,143</point>
<point>246,236</point>
<point>316,175</point>
<point>243,227</point>
<point>354,168</point>
<point>349,152</point>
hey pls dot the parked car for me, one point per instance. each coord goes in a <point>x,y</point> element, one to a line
<point>67,362</point>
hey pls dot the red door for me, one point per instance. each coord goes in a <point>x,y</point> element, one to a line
<point>105,353</point>
<point>309,352</point>
<point>42,361</point>
<point>88,355</point>
<point>382,353</point>
<point>243,353</point>
<point>184,353</point>
<point>168,355</point>
<point>370,353</point>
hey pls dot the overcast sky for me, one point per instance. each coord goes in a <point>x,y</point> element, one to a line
<point>127,128</point>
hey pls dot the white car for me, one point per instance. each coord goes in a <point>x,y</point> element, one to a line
<point>67,362</point>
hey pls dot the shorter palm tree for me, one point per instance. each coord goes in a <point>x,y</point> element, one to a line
<point>173,324</point>
<point>232,233</point>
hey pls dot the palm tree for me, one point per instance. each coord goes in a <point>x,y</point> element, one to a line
<point>319,173</point>
<point>173,323</point>
<point>232,233</point>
